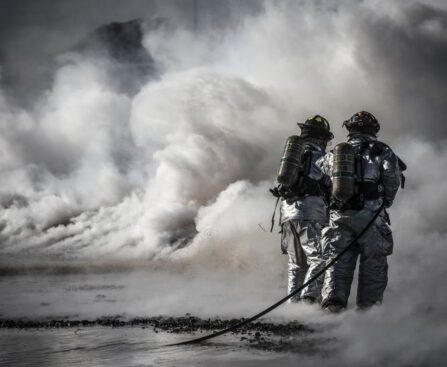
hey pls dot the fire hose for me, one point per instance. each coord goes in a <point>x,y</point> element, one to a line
<point>244,322</point>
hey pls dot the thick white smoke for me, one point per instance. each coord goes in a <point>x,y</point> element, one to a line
<point>178,173</point>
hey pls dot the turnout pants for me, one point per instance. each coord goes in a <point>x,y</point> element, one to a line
<point>373,248</point>
<point>301,240</point>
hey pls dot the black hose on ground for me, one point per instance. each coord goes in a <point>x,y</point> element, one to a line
<point>281,301</point>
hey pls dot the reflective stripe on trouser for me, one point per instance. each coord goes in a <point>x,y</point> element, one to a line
<point>305,257</point>
<point>373,247</point>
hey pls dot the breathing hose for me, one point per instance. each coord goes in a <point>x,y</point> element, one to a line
<point>290,295</point>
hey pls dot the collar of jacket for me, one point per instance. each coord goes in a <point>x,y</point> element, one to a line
<point>315,146</point>
<point>361,138</point>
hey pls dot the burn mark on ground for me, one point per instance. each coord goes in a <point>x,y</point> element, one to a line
<point>279,337</point>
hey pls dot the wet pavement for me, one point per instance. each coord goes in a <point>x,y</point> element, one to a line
<point>93,320</point>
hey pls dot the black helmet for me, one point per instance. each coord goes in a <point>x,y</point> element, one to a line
<point>362,123</point>
<point>316,127</point>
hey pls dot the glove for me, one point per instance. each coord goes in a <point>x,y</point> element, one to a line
<point>279,191</point>
<point>275,192</point>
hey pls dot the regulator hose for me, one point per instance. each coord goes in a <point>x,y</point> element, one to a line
<point>281,301</point>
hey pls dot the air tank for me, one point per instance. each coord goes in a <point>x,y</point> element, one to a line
<point>343,184</point>
<point>289,170</point>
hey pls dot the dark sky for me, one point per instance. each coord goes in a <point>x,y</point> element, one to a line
<point>410,57</point>
<point>32,33</point>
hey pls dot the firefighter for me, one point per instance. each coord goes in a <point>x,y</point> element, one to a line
<point>365,174</point>
<point>304,209</point>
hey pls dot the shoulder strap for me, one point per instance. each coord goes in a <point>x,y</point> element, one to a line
<point>307,161</point>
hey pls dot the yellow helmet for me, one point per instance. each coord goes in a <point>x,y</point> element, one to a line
<point>316,127</point>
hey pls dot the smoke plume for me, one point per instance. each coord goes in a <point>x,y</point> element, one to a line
<point>176,170</point>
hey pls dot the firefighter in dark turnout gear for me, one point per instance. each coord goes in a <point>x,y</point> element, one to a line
<point>304,207</point>
<point>365,174</point>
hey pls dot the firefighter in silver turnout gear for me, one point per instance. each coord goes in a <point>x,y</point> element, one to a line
<point>304,209</point>
<point>375,179</point>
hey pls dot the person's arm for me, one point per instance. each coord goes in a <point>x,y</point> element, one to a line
<point>325,164</point>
